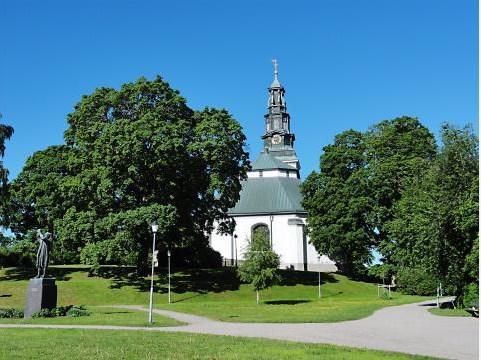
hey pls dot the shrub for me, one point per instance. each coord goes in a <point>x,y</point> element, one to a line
<point>471,295</point>
<point>192,257</point>
<point>416,281</point>
<point>76,311</point>
<point>70,311</point>
<point>11,313</point>
<point>44,313</point>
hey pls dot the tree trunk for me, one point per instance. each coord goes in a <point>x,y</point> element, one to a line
<point>142,261</point>
<point>257,296</point>
<point>345,267</point>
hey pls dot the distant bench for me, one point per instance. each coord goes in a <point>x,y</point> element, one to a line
<point>384,287</point>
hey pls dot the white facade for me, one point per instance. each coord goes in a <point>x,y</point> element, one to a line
<point>288,241</point>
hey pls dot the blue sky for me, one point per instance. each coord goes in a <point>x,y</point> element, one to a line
<point>345,64</point>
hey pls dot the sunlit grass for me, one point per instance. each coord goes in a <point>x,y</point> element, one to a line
<point>213,293</point>
<point>136,345</point>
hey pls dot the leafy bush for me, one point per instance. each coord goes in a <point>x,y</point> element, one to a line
<point>18,253</point>
<point>77,311</point>
<point>192,257</point>
<point>471,295</point>
<point>70,311</point>
<point>381,272</point>
<point>11,313</point>
<point>44,313</point>
<point>416,281</point>
<point>7,258</point>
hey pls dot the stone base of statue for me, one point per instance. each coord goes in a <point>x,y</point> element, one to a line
<point>41,294</point>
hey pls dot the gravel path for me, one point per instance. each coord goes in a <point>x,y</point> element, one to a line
<point>406,328</point>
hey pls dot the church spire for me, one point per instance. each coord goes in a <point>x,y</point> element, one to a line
<point>278,135</point>
<point>276,90</point>
<point>276,82</point>
<point>278,139</point>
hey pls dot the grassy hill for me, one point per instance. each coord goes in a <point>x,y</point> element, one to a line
<point>213,293</point>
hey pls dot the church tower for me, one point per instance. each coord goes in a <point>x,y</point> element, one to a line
<point>278,139</point>
<point>270,200</point>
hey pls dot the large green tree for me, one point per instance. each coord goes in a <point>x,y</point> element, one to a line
<point>337,204</point>
<point>131,156</point>
<point>362,176</point>
<point>435,224</point>
<point>397,150</point>
<point>6,133</point>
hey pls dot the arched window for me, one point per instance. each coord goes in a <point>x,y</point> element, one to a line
<point>260,228</point>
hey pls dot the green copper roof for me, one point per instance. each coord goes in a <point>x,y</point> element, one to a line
<point>269,196</point>
<point>267,161</point>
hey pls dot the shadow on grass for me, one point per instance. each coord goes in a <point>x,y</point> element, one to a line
<point>286,302</point>
<point>201,281</point>
<point>186,298</point>
<point>293,278</point>
<point>60,273</point>
<point>332,295</point>
<point>117,312</point>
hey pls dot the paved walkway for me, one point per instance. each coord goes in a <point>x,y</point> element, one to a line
<point>406,328</point>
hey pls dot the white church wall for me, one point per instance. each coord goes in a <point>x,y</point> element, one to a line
<point>287,241</point>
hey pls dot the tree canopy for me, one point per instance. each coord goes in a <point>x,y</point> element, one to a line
<point>132,156</point>
<point>393,189</point>
<point>337,203</point>
<point>6,133</point>
<point>396,151</point>
<point>435,224</point>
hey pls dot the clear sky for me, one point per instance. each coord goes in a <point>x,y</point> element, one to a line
<point>344,64</point>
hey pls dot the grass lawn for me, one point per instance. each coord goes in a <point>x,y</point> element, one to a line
<point>101,345</point>
<point>101,316</point>
<point>450,312</point>
<point>213,293</point>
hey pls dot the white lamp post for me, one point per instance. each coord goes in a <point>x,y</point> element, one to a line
<point>155,228</point>
<point>319,261</point>
<point>168,265</point>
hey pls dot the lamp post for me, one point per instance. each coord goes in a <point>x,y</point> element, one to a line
<point>271,218</point>
<point>235,246</point>
<point>155,228</point>
<point>319,261</point>
<point>168,266</point>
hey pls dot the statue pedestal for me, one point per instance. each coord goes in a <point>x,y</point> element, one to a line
<point>41,294</point>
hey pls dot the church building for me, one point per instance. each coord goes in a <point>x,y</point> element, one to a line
<point>270,199</point>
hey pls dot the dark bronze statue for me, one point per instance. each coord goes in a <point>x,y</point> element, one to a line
<point>45,243</point>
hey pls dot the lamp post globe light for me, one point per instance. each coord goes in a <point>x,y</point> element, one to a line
<point>154,228</point>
